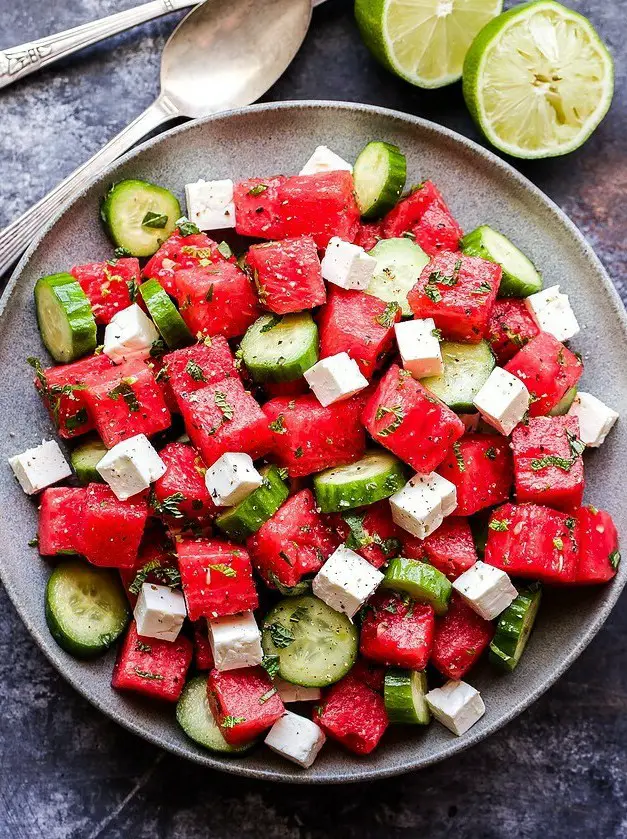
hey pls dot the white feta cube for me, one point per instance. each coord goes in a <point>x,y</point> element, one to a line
<point>235,641</point>
<point>553,313</point>
<point>129,334</point>
<point>486,589</point>
<point>325,160</point>
<point>296,738</point>
<point>159,612</point>
<point>131,466</point>
<point>335,378</point>
<point>502,401</point>
<point>596,420</point>
<point>419,347</point>
<point>40,467</point>
<point>231,478</point>
<point>296,693</point>
<point>422,504</point>
<point>457,705</point>
<point>210,204</point>
<point>347,265</point>
<point>346,581</point>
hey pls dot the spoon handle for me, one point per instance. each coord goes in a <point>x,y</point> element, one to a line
<point>17,62</point>
<point>15,238</point>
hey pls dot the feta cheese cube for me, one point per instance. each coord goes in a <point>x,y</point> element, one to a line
<point>486,589</point>
<point>596,420</point>
<point>419,347</point>
<point>335,378</point>
<point>235,641</point>
<point>231,478</point>
<point>347,265</point>
<point>159,612</point>
<point>131,466</point>
<point>553,313</point>
<point>422,504</point>
<point>40,467</point>
<point>325,160</point>
<point>346,581</point>
<point>457,705</point>
<point>129,334</point>
<point>296,738</point>
<point>210,204</point>
<point>502,401</point>
<point>296,693</point>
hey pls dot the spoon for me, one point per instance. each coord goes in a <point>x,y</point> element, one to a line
<point>224,54</point>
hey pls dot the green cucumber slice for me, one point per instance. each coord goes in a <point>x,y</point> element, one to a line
<point>279,348</point>
<point>85,457</point>
<point>164,313</point>
<point>404,696</point>
<point>379,175</point>
<point>520,277</point>
<point>65,318</point>
<point>315,645</point>
<point>419,580</point>
<point>194,716</point>
<point>139,216</point>
<point>513,629</point>
<point>466,369</point>
<point>563,406</point>
<point>376,476</point>
<point>399,264</point>
<point>86,609</point>
<point>246,518</point>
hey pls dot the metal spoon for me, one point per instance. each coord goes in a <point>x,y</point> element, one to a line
<point>224,54</point>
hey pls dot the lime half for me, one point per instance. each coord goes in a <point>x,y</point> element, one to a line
<point>423,41</point>
<point>538,80</point>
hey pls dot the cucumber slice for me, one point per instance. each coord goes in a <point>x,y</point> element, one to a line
<point>520,277</point>
<point>280,348</point>
<point>86,609</point>
<point>376,476</point>
<point>164,313</point>
<point>315,645</point>
<point>563,406</point>
<point>246,518</point>
<point>404,696</point>
<point>399,264</point>
<point>139,216</point>
<point>194,716</point>
<point>379,175</point>
<point>514,627</point>
<point>65,318</point>
<point>419,580</point>
<point>466,369</point>
<point>85,457</point>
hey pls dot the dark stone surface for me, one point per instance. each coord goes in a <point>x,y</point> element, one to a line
<point>66,771</point>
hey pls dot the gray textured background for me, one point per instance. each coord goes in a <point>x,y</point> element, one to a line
<point>67,772</point>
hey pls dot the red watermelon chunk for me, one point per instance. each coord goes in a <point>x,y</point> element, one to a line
<point>60,520</point>
<point>371,674</point>
<point>203,655</point>
<point>368,234</point>
<point>258,210</point>
<point>320,206</point>
<point>155,563</point>
<point>192,368</point>
<point>458,292</point>
<point>109,286</point>
<point>425,215</point>
<point>244,703</point>
<point>405,418</point>
<point>297,387</point>
<point>370,532</point>
<point>396,631</point>
<point>184,476</point>
<point>450,548</point>
<point>480,466</point>
<point>111,530</point>
<point>598,546</point>
<point>157,365</point>
<point>352,714</point>
<point>461,635</point>
<point>287,275</point>
<point>510,327</point>
<point>179,253</point>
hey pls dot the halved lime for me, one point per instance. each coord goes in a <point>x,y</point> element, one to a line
<point>538,80</point>
<point>423,41</point>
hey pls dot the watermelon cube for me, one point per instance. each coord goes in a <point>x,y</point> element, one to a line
<point>203,656</point>
<point>258,207</point>
<point>244,702</point>
<point>297,387</point>
<point>368,234</point>
<point>306,437</point>
<point>480,466</point>
<point>155,563</point>
<point>548,369</point>
<point>409,421</point>
<point>353,714</point>
<point>111,530</point>
<point>370,532</point>
<point>320,206</point>
<point>181,491</point>
<point>510,327</point>
<point>598,546</point>
<point>159,371</point>
<point>60,520</point>
<point>450,548</point>
<point>192,368</point>
<point>151,666</point>
<point>396,631</point>
<point>217,578</point>
<point>371,674</point>
<point>458,292</point>
<point>358,324</point>
<point>425,216</point>
<point>287,275</point>
<point>461,635</point>
<point>109,286</point>
<point>179,253</point>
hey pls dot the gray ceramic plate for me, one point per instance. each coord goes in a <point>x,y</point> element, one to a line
<point>479,188</point>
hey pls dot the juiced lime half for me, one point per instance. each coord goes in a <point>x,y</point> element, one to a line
<point>538,80</point>
<point>423,41</point>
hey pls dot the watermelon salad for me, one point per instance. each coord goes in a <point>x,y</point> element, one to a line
<point>326,466</point>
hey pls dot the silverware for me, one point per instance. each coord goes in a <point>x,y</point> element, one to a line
<point>224,54</point>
